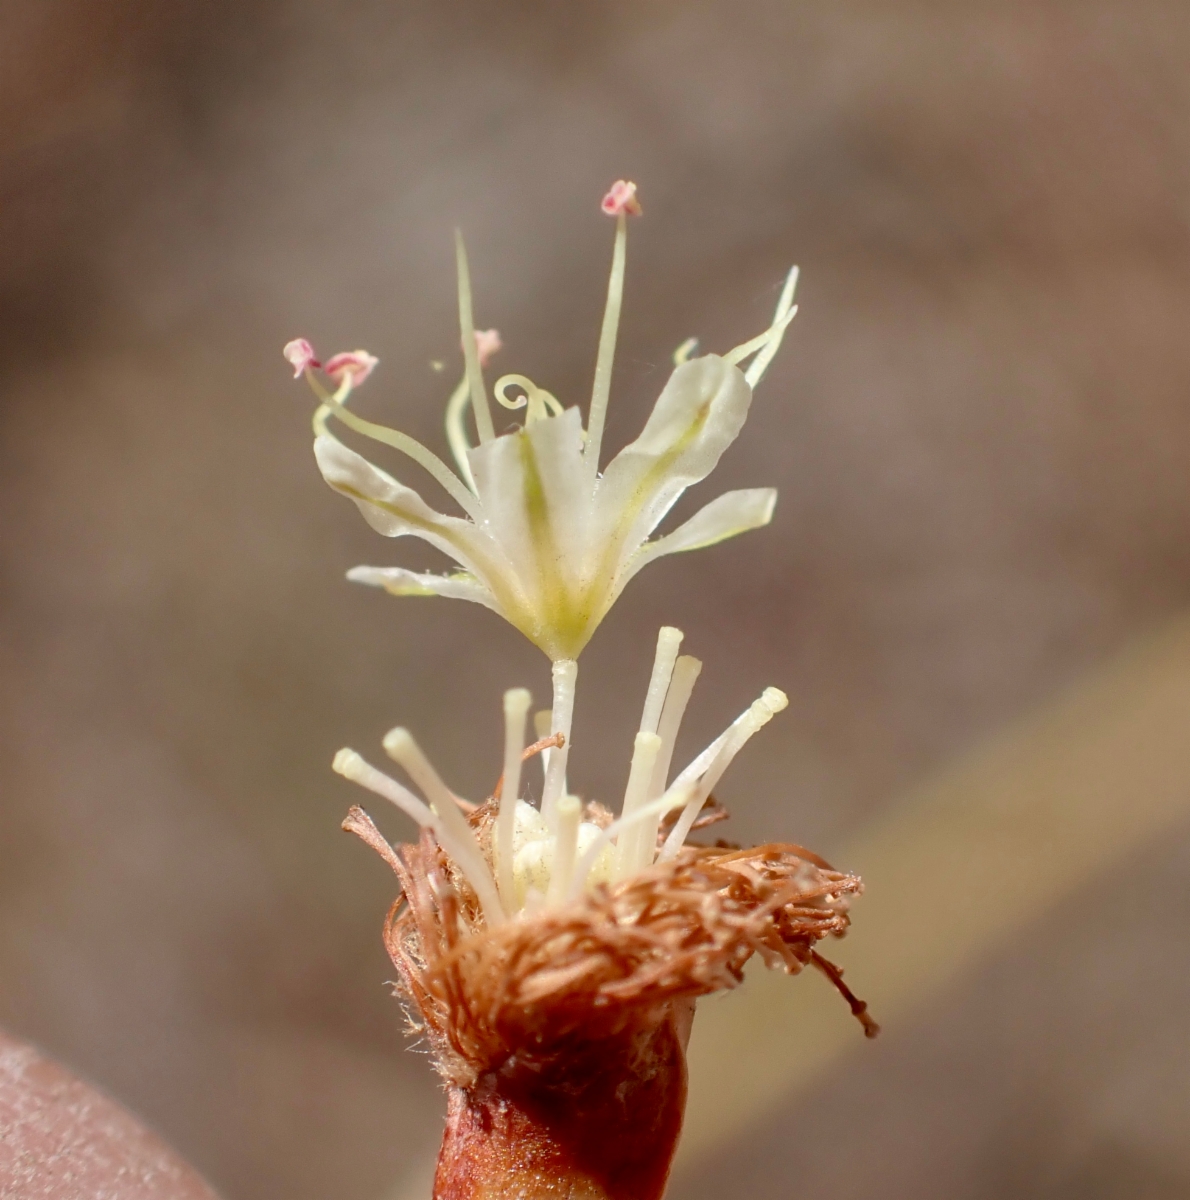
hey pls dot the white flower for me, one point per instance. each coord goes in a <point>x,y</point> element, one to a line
<point>546,540</point>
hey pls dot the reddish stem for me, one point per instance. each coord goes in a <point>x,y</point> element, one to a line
<point>599,1125</point>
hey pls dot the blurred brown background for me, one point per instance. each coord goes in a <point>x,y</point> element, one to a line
<point>979,426</point>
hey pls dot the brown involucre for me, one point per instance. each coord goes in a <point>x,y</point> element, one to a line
<point>561,1033</point>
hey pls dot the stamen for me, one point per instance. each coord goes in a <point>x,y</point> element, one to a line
<point>487,343</point>
<point>761,340</point>
<point>784,309</point>
<point>326,402</point>
<point>569,813</point>
<point>456,429</point>
<point>401,748</point>
<point>464,851</point>
<point>685,350</point>
<point>607,348</point>
<point>685,674</point>
<point>620,199</point>
<point>352,766</point>
<point>668,641</point>
<point>766,345</point>
<point>301,356</point>
<point>335,405</point>
<point>759,714</point>
<point>676,797</point>
<point>479,399</point>
<point>636,852</point>
<point>700,763</point>
<point>516,708</point>
<point>565,675</point>
<point>358,364</point>
<point>640,775</point>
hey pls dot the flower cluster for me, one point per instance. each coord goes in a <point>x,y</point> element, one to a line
<point>553,953</point>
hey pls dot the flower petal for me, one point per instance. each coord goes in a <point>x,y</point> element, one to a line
<point>397,581</point>
<point>697,416</point>
<point>536,500</point>
<point>731,513</point>
<point>724,517</point>
<point>395,510</point>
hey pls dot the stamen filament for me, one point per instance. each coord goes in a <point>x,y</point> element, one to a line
<point>325,400</point>
<point>685,673</point>
<point>425,458</point>
<point>565,674</point>
<point>569,813</point>
<point>516,709</point>
<point>759,714</point>
<point>401,748</point>
<point>464,851</point>
<point>354,767</point>
<point>669,640</point>
<point>784,309</point>
<point>676,797</point>
<point>456,429</point>
<point>640,775</point>
<point>479,398</point>
<point>761,340</point>
<point>698,765</point>
<point>607,347</point>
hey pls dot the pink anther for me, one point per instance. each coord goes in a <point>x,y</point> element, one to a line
<point>621,198</point>
<point>301,355</point>
<point>487,342</point>
<point>358,364</point>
